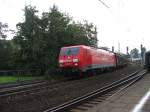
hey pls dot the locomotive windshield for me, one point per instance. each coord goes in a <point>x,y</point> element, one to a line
<point>70,51</point>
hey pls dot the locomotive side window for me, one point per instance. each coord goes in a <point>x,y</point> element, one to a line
<point>70,51</point>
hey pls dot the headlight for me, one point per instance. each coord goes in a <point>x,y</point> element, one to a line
<point>75,60</point>
<point>61,61</point>
<point>61,65</point>
<point>76,64</point>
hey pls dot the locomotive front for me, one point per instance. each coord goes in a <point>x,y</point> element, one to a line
<point>69,59</point>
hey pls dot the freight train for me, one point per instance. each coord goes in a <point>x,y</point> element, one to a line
<point>147,60</point>
<point>87,60</point>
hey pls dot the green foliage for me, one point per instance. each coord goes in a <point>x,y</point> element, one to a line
<point>134,53</point>
<point>39,38</point>
<point>5,47</point>
<point>3,30</point>
<point>5,54</point>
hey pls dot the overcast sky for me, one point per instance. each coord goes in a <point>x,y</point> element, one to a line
<point>125,21</point>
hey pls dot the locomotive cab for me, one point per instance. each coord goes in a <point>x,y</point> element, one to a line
<point>69,58</point>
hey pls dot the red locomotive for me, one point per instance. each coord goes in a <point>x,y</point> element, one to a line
<point>85,59</point>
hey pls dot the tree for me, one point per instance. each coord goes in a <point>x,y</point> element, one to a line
<point>25,40</point>
<point>134,53</point>
<point>91,34</point>
<point>39,39</point>
<point>5,47</point>
<point>3,30</point>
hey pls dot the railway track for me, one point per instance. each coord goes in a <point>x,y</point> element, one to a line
<point>18,88</point>
<point>20,83</point>
<point>24,88</point>
<point>31,88</point>
<point>88,100</point>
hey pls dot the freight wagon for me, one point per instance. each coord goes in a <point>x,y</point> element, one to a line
<point>147,60</point>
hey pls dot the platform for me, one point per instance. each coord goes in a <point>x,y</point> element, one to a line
<point>135,98</point>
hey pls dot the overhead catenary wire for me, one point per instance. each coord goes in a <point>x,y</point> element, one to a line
<point>104,4</point>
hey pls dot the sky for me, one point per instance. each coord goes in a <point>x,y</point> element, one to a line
<point>124,23</point>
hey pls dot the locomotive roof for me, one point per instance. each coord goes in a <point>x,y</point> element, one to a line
<point>74,46</point>
<point>88,47</point>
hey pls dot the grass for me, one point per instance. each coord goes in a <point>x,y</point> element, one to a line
<point>9,79</point>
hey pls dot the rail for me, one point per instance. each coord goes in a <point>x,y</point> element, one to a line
<point>12,90</point>
<point>68,105</point>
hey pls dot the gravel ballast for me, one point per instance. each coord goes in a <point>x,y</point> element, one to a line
<point>46,98</point>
